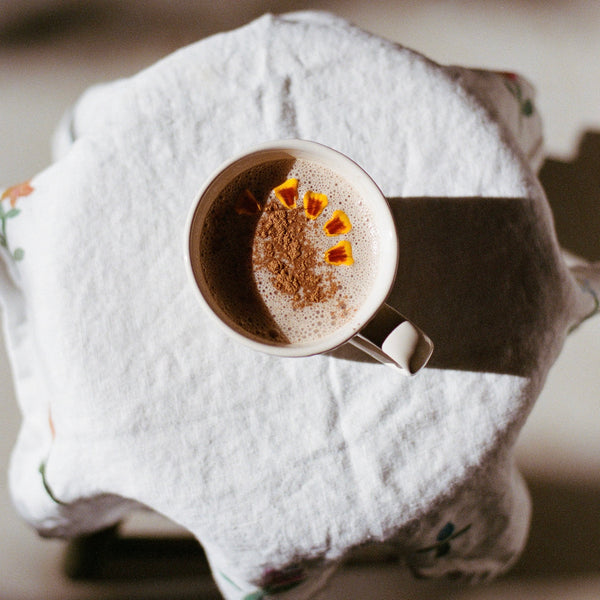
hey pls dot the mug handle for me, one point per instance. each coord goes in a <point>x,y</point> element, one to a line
<point>393,340</point>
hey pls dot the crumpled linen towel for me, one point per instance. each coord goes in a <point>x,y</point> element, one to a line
<point>279,467</point>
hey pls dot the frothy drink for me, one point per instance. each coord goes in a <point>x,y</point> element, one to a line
<point>287,271</point>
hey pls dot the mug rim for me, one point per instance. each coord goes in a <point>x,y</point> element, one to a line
<point>386,270</point>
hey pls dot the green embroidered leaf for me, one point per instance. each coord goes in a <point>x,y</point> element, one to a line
<point>258,595</point>
<point>445,535</point>
<point>42,472</point>
<point>442,550</point>
<point>19,253</point>
<point>446,531</point>
<point>527,108</point>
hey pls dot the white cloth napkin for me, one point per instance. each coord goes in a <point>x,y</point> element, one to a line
<point>129,394</point>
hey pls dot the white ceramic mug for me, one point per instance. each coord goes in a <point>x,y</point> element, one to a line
<point>375,327</point>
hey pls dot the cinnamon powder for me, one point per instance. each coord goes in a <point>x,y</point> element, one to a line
<point>283,247</point>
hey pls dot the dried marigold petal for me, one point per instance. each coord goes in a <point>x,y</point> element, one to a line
<point>338,224</point>
<point>287,193</point>
<point>340,254</point>
<point>247,204</point>
<point>314,204</point>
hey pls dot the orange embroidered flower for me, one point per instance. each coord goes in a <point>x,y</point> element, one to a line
<point>51,424</point>
<point>16,191</point>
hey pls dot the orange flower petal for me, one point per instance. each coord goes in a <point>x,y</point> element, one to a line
<point>338,224</point>
<point>314,203</point>
<point>16,191</point>
<point>247,204</point>
<point>51,423</point>
<point>340,254</point>
<point>287,193</point>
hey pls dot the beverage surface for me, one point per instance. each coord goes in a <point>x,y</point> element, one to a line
<point>289,251</point>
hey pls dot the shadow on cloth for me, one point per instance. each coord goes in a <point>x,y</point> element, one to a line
<point>564,538</point>
<point>573,190</point>
<point>481,277</point>
<point>490,253</point>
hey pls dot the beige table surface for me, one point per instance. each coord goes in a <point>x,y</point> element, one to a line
<point>46,61</point>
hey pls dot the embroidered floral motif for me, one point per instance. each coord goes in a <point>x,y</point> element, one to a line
<point>12,194</point>
<point>513,85</point>
<point>17,191</point>
<point>42,466</point>
<point>42,471</point>
<point>446,534</point>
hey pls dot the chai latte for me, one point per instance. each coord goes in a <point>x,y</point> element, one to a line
<point>264,263</point>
